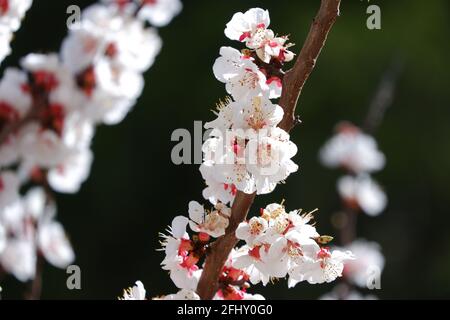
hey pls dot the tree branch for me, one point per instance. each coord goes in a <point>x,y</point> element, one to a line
<point>293,83</point>
<point>36,285</point>
<point>295,79</point>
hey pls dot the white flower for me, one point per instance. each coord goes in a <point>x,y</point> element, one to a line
<point>362,192</point>
<point>269,159</point>
<point>274,47</point>
<point>181,295</point>
<point>9,188</point>
<point>12,96</point>
<point>252,261</point>
<point>326,267</point>
<point>83,46</point>
<point>103,17</point>
<point>68,176</point>
<point>19,259</point>
<point>137,46</point>
<point>238,295</point>
<point>5,40</point>
<point>276,244</point>
<point>252,161</point>
<point>241,76</point>
<point>249,27</point>
<point>118,81</point>
<point>43,148</point>
<point>180,261</point>
<point>216,191</point>
<point>249,296</point>
<point>343,292</point>
<point>54,245</point>
<point>9,152</point>
<point>12,12</point>
<point>224,159</point>
<point>225,114</point>
<point>14,104</point>
<point>137,292</point>
<point>252,230</point>
<point>256,113</point>
<point>51,76</point>
<point>30,226</point>
<point>213,223</point>
<point>160,12</point>
<point>353,150</point>
<point>368,258</point>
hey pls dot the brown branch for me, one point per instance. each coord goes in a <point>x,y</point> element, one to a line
<point>293,83</point>
<point>295,79</point>
<point>36,285</point>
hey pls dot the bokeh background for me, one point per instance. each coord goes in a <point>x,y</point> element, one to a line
<point>134,190</point>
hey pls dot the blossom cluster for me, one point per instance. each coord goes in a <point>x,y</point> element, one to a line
<point>357,153</point>
<point>185,255</point>
<point>48,113</point>
<point>282,244</point>
<point>246,150</point>
<point>11,15</point>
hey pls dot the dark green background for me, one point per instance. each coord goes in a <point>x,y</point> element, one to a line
<point>134,190</point>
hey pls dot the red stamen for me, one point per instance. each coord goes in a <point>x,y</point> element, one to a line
<point>86,81</point>
<point>255,252</point>
<point>203,237</point>
<point>185,247</point>
<point>111,50</point>
<point>276,80</point>
<point>233,190</point>
<point>44,80</point>
<point>244,36</point>
<point>4,6</point>
<point>324,253</point>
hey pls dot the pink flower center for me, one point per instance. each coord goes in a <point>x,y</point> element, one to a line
<point>7,114</point>
<point>189,263</point>
<point>185,247</point>
<point>44,80</point>
<point>232,187</point>
<point>86,81</point>
<point>111,50</point>
<point>4,6</point>
<point>245,35</point>
<point>149,2</point>
<point>348,128</point>
<point>53,118</point>
<point>277,81</point>
<point>255,253</point>
<point>324,253</point>
<point>203,237</point>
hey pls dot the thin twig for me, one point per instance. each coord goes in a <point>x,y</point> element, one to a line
<point>380,102</point>
<point>383,97</point>
<point>36,284</point>
<point>293,83</point>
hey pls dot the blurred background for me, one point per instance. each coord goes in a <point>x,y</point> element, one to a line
<point>134,190</point>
